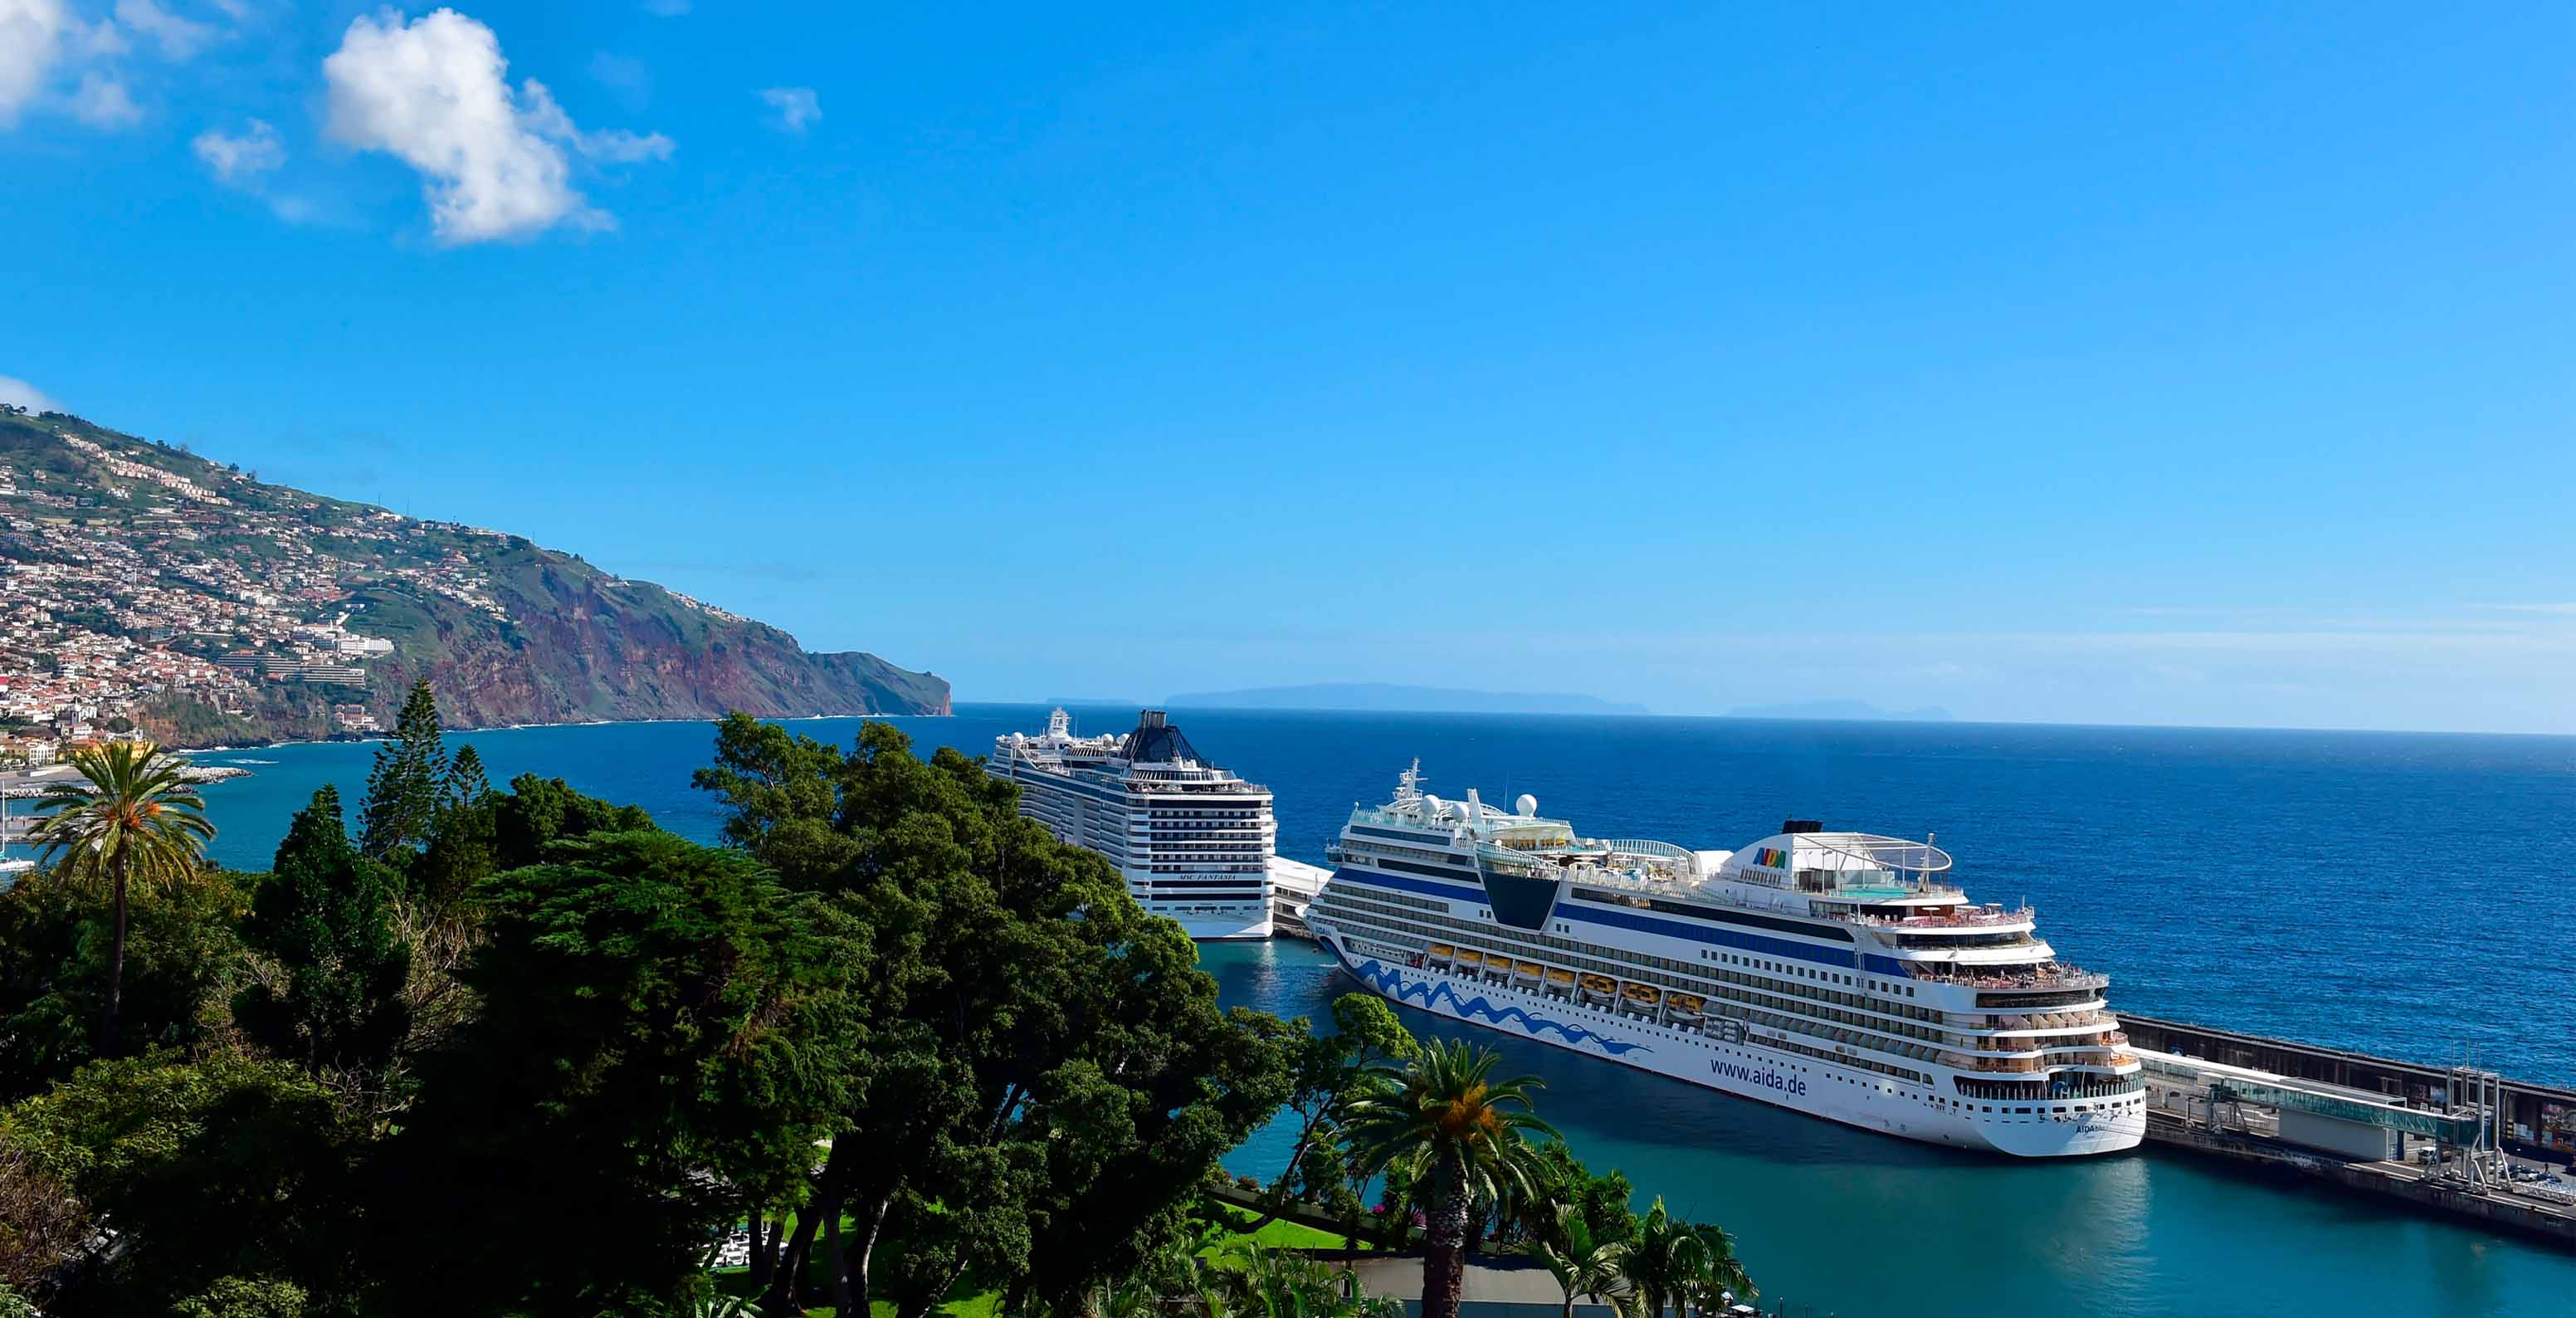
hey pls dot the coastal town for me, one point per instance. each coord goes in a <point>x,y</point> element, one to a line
<point>138,582</point>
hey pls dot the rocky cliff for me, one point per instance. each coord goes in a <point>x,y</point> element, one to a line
<point>141,581</point>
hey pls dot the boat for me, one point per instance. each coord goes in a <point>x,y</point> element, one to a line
<point>1193,841</point>
<point>1845,975</point>
<point>1437,954</point>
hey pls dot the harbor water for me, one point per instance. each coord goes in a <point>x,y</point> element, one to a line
<point>2394,893</point>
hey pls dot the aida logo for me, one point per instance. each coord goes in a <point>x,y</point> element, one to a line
<point>1766,1077</point>
<point>1771,858</point>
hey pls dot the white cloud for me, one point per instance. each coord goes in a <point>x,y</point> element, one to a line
<point>796,107</point>
<point>241,160</point>
<point>179,38</point>
<point>435,94</point>
<point>103,102</point>
<point>31,39</point>
<point>19,393</point>
<point>614,145</point>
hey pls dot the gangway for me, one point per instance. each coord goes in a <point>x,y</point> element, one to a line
<point>2239,1084</point>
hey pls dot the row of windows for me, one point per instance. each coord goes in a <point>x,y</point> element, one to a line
<point>1388,922</point>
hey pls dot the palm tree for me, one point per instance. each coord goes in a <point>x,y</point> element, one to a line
<point>1667,1261</point>
<point>1459,1134</point>
<point>1582,1265</point>
<point>131,816</point>
<point>1725,1273</point>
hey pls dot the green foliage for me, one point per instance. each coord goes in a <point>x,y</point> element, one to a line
<point>182,957</point>
<point>325,921</point>
<point>1445,1125</point>
<point>131,817</point>
<point>781,794</point>
<point>407,784</point>
<point>1583,1263</point>
<point>244,1297</point>
<point>225,1167</point>
<point>664,1035</point>
<point>541,810</point>
<point>1046,1075</point>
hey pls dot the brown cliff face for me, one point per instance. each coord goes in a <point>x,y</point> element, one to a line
<point>504,631</point>
<point>579,645</point>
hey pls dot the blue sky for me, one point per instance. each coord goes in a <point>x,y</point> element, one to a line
<point>2189,367</point>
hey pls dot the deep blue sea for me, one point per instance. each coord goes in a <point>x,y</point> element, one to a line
<point>2403,894</point>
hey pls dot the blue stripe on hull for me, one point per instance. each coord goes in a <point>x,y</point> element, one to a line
<point>1389,982</point>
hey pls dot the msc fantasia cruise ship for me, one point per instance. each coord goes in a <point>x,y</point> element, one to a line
<point>1838,974</point>
<point>1193,840</point>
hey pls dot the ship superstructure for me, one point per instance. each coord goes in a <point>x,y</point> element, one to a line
<point>1839,974</point>
<point>1192,839</point>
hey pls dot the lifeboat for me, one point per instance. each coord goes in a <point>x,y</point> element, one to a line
<point>1644,995</point>
<point>1439,954</point>
<point>1528,969</point>
<point>1685,1004</point>
<point>1561,978</point>
<point>1599,986</point>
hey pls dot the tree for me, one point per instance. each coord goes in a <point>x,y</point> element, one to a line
<point>1724,1272</point>
<point>325,920</point>
<point>1583,1264</point>
<point>1045,1079</point>
<point>664,1037</point>
<point>183,956</point>
<point>223,1167</point>
<point>464,781</point>
<point>1450,1127</point>
<point>131,817</point>
<point>1667,1261</point>
<point>409,779</point>
<point>1327,1072</point>
<point>537,811</point>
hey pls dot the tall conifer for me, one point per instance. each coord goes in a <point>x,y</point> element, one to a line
<point>411,774</point>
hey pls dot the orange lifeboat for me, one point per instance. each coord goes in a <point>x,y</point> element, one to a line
<point>1644,995</point>
<point>1561,978</point>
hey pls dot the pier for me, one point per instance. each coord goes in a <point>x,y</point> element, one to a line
<point>2459,1142</point>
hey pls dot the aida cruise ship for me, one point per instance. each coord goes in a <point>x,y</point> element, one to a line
<point>1838,974</point>
<point>1193,840</point>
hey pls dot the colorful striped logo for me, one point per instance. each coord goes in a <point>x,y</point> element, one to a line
<point>1771,858</point>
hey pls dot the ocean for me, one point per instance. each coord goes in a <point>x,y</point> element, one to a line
<point>2403,894</point>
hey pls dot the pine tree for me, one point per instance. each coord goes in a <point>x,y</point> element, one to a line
<point>465,783</point>
<point>405,787</point>
<point>325,916</point>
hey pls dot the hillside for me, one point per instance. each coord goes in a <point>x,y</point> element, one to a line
<point>140,582</point>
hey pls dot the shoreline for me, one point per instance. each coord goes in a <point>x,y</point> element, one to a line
<point>361,739</point>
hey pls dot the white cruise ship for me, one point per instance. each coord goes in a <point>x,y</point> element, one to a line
<point>1193,839</point>
<point>1838,974</point>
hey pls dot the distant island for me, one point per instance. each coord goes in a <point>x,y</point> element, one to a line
<point>1389,697</point>
<point>1854,710</point>
<point>146,589</point>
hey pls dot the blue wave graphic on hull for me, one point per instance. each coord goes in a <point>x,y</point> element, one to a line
<point>1391,983</point>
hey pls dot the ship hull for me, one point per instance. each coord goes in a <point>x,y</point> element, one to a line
<point>1205,928</point>
<point>1849,1095</point>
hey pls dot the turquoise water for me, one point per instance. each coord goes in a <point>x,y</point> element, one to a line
<point>1861,1224</point>
<point>2373,891</point>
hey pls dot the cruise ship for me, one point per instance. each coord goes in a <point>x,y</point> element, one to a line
<point>1838,974</point>
<point>1192,839</point>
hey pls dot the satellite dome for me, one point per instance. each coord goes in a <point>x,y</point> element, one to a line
<point>1527,806</point>
<point>1432,804</point>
